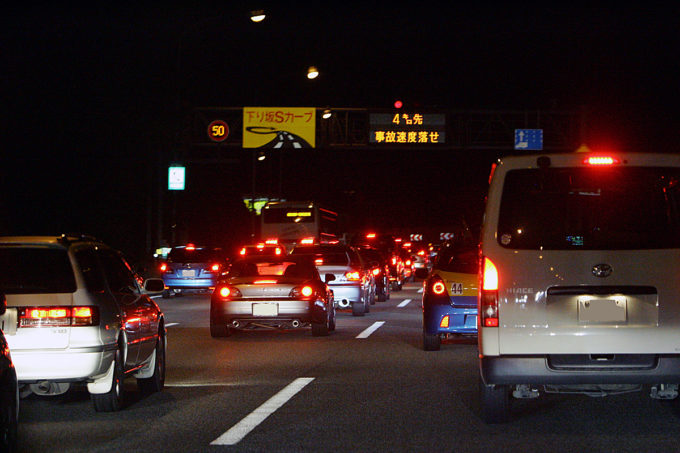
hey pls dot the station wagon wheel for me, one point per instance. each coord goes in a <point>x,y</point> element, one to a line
<point>495,402</point>
<point>431,342</point>
<point>114,399</point>
<point>9,403</point>
<point>156,382</point>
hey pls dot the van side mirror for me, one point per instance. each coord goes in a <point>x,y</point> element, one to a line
<point>329,278</point>
<point>3,304</point>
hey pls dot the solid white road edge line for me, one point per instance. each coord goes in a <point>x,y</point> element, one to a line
<point>404,303</point>
<point>366,333</point>
<point>242,428</point>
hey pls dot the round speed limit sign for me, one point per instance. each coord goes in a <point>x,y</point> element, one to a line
<point>218,131</point>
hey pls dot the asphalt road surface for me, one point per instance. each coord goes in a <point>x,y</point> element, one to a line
<point>369,386</point>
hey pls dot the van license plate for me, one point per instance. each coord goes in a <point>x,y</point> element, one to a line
<point>265,309</point>
<point>601,310</point>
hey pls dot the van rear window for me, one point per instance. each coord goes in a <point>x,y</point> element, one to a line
<point>590,208</point>
<point>35,270</point>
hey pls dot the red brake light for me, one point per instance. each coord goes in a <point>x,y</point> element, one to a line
<point>272,241</point>
<point>376,271</point>
<point>215,267</point>
<point>307,291</point>
<point>265,282</point>
<point>370,236</point>
<point>228,292</point>
<point>600,161</point>
<point>225,291</point>
<point>243,251</point>
<point>394,260</point>
<point>58,316</point>
<point>307,241</point>
<point>490,276</point>
<point>164,267</point>
<point>408,262</point>
<point>260,246</point>
<point>439,287</point>
<point>277,251</point>
<point>190,247</point>
<point>318,262</point>
<point>353,276</point>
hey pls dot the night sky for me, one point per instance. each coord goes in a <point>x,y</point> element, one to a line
<point>94,99</point>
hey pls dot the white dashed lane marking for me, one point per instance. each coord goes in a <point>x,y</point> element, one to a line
<point>404,303</point>
<point>242,428</point>
<point>366,333</point>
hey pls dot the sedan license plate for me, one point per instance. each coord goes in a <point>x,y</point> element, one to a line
<point>188,272</point>
<point>601,310</point>
<point>265,309</point>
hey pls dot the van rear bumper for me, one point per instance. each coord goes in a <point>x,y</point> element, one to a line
<point>540,370</point>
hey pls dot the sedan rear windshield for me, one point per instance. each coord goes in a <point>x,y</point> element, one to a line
<point>590,208</point>
<point>451,259</point>
<point>182,255</point>
<point>35,270</point>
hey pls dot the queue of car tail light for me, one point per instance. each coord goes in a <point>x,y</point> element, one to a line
<point>229,292</point>
<point>58,316</point>
<point>353,276</point>
<point>307,241</point>
<point>601,161</point>
<point>488,300</point>
<point>305,292</point>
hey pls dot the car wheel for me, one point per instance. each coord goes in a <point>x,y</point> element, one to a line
<point>114,399</point>
<point>156,382</point>
<point>331,323</point>
<point>9,409</point>
<point>320,329</point>
<point>165,294</point>
<point>367,308</point>
<point>219,330</point>
<point>358,308</point>
<point>495,402</point>
<point>431,342</point>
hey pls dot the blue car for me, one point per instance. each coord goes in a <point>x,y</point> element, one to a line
<point>190,268</point>
<point>450,295</point>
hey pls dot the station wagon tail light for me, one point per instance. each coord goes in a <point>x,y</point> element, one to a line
<point>601,161</point>
<point>58,316</point>
<point>488,294</point>
<point>353,276</point>
<point>228,292</point>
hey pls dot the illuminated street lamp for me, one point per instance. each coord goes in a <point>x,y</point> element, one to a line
<point>312,72</point>
<point>326,114</point>
<point>257,15</point>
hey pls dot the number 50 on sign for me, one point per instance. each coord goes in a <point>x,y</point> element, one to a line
<point>218,131</point>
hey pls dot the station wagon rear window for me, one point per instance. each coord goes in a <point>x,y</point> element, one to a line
<point>590,209</point>
<point>35,270</point>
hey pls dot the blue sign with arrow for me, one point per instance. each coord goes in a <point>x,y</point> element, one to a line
<point>529,139</point>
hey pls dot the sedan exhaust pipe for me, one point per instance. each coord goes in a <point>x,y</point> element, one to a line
<point>235,324</point>
<point>295,323</point>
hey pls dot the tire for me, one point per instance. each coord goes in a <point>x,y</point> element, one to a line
<point>165,294</point>
<point>358,309</point>
<point>219,330</point>
<point>431,342</point>
<point>320,329</point>
<point>114,399</point>
<point>331,323</point>
<point>9,405</point>
<point>367,308</point>
<point>156,382</point>
<point>495,402</point>
<point>382,297</point>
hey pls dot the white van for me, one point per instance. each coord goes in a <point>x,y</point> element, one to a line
<point>580,278</point>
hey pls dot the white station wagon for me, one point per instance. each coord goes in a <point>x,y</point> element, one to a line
<point>77,314</point>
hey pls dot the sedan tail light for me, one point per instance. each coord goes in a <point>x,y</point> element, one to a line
<point>215,267</point>
<point>228,292</point>
<point>302,292</point>
<point>58,316</point>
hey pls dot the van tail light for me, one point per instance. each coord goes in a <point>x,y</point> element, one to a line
<point>215,267</point>
<point>302,292</point>
<point>58,316</point>
<point>353,276</point>
<point>601,161</point>
<point>228,292</point>
<point>488,294</point>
